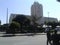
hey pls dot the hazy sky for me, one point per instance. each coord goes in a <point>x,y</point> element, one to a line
<point>23,7</point>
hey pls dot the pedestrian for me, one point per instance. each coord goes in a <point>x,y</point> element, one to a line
<point>56,38</point>
<point>48,36</point>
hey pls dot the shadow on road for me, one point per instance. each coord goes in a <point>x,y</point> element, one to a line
<point>25,34</point>
<point>7,36</point>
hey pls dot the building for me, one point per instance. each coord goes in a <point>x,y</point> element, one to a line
<point>36,15</point>
<point>12,16</point>
<point>50,19</point>
<point>37,12</point>
<point>39,21</point>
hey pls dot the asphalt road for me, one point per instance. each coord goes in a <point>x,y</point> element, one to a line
<point>24,40</point>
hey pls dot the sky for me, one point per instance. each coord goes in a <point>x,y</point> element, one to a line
<point>24,7</point>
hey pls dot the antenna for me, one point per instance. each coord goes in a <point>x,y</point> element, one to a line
<point>7,16</point>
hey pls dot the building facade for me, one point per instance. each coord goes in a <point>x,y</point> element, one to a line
<point>37,10</point>
<point>36,14</point>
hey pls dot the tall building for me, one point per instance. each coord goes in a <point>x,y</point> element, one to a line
<point>37,10</point>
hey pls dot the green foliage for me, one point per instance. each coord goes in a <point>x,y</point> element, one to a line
<point>13,27</point>
<point>53,24</point>
<point>16,24</point>
<point>22,19</point>
<point>0,22</point>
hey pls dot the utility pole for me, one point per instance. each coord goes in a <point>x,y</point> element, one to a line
<point>48,16</point>
<point>48,20</point>
<point>7,16</point>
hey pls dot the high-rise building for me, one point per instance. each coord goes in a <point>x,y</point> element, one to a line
<point>37,10</point>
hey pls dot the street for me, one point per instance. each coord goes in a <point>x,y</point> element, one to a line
<point>24,40</point>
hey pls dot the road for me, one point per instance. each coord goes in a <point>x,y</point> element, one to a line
<point>24,40</point>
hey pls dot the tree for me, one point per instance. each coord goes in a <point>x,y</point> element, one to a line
<point>35,24</point>
<point>2,28</point>
<point>23,20</point>
<point>53,24</point>
<point>13,28</point>
<point>5,27</point>
<point>34,19</point>
<point>16,26</point>
<point>0,22</point>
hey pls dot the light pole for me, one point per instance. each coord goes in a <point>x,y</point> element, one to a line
<point>48,19</point>
<point>7,16</point>
<point>48,16</point>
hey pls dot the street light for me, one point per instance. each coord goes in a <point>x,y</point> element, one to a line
<point>48,16</point>
<point>7,16</point>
